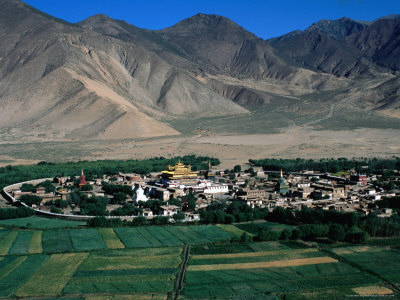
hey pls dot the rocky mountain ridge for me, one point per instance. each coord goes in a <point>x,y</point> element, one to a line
<point>107,79</point>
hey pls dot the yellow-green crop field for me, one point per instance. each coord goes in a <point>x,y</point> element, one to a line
<point>64,265</point>
<point>110,238</point>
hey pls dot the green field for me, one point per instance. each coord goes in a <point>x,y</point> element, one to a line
<point>55,241</point>
<point>35,246</point>
<point>131,238</point>
<point>305,271</point>
<point>110,238</point>
<point>86,239</point>
<point>383,262</point>
<point>18,276</point>
<point>166,238</point>
<point>151,270</point>
<point>41,223</point>
<point>170,235</point>
<point>234,230</point>
<point>21,243</point>
<point>7,241</point>
<point>3,232</point>
<point>144,263</point>
<point>57,271</point>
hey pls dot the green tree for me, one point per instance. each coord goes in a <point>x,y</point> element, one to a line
<point>191,198</point>
<point>179,216</point>
<point>336,232</point>
<point>30,199</point>
<point>266,234</point>
<point>296,234</point>
<point>312,231</point>
<point>285,234</point>
<point>55,210</point>
<point>48,185</point>
<point>27,187</point>
<point>356,235</point>
<point>229,219</point>
<point>86,188</point>
<point>139,221</point>
<point>237,168</point>
<point>160,220</point>
<point>175,201</point>
<point>244,238</point>
<point>118,198</point>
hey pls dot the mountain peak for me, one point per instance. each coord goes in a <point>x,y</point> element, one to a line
<point>340,28</point>
<point>206,24</point>
<point>206,19</point>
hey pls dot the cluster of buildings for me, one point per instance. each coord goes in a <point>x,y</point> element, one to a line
<point>350,193</point>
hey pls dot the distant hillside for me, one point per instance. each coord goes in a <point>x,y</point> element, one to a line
<point>106,79</point>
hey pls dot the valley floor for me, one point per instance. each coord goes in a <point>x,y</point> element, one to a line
<point>231,149</point>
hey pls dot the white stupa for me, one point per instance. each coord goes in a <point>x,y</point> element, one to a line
<point>139,196</point>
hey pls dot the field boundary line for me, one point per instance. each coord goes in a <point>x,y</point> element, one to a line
<point>253,254</point>
<point>182,272</point>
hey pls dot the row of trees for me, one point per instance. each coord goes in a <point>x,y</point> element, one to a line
<point>234,212</point>
<point>371,224</point>
<point>48,185</point>
<point>14,174</point>
<point>335,232</point>
<point>13,213</point>
<point>328,165</point>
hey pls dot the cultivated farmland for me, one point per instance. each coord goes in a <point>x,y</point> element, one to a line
<point>21,243</point>
<point>55,241</point>
<point>64,265</point>
<point>40,223</point>
<point>144,263</point>
<point>35,245</point>
<point>279,271</point>
<point>383,262</point>
<point>86,239</point>
<point>170,236</point>
<point>127,271</point>
<point>20,274</point>
<point>7,241</point>
<point>110,238</point>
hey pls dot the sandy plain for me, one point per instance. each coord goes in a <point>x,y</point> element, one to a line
<point>231,149</point>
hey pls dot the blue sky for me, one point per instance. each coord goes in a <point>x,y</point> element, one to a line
<point>265,18</point>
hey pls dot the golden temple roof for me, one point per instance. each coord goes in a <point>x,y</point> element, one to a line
<point>179,171</point>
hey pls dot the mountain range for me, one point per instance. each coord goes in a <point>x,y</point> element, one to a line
<point>107,79</point>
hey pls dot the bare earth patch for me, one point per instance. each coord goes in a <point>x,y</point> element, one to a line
<point>270,264</point>
<point>372,290</point>
<point>251,254</point>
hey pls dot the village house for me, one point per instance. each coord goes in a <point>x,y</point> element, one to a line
<point>168,210</point>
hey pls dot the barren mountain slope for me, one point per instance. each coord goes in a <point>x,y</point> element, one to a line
<point>106,79</point>
<point>65,81</point>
